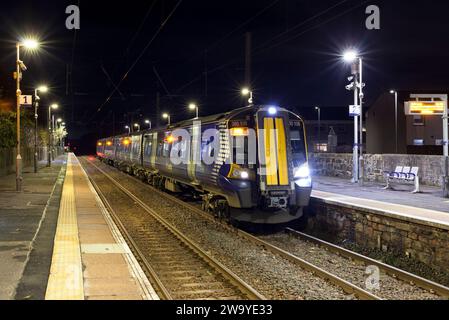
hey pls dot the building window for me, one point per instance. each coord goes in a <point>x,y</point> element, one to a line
<point>321,147</point>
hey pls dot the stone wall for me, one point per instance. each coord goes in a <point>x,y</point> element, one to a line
<point>422,241</point>
<point>431,168</point>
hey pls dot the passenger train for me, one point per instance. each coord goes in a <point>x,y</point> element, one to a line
<point>249,165</point>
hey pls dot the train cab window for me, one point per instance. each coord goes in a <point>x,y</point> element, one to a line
<point>240,147</point>
<point>297,141</point>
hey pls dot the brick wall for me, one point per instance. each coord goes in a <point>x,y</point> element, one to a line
<point>340,165</point>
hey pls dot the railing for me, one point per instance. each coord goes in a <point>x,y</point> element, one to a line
<point>8,158</point>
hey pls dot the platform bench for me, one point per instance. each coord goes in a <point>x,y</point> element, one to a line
<point>403,175</point>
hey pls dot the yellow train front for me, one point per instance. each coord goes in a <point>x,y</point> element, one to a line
<point>249,165</point>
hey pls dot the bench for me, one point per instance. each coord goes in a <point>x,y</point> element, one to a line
<point>403,175</point>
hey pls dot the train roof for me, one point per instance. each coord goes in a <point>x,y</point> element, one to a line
<point>186,123</point>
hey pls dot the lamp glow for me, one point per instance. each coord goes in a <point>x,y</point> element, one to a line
<point>350,56</point>
<point>43,89</point>
<point>54,106</point>
<point>272,111</point>
<point>30,44</point>
<point>245,91</point>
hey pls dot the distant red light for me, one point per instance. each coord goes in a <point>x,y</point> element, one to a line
<point>91,158</point>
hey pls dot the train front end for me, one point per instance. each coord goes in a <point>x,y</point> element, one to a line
<point>275,157</point>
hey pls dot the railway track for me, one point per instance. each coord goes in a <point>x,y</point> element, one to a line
<point>390,270</point>
<point>346,286</point>
<point>176,266</point>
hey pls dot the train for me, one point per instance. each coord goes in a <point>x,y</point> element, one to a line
<point>249,165</point>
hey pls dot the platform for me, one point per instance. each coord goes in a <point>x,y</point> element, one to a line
<point>428,207</point>
<point>91,260</point>
<point>27,222</point>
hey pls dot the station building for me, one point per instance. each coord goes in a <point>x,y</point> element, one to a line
<point>419,128</point>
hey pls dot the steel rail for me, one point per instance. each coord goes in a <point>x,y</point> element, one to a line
<point>234,279</point>
<point>345,285</point>
<point>390,270</point>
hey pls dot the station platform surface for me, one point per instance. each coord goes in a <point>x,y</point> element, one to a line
<point>27,223</point>
<point>428,207</point>
<point>91,260</point>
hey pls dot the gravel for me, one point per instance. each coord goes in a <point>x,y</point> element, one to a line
<point>354,272</point>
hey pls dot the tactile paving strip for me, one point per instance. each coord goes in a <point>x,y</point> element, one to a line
<point>66,275</point>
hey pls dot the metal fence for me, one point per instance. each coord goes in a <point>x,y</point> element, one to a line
<point>8,158</point>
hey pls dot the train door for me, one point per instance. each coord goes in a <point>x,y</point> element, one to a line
<point>274,152</point>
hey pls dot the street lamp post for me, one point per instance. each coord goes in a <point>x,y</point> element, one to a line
<point>136,125</point>
<point>194,107</point>
<point>319,128</point>
<point>128,128</point>
<point>396,119</point>
<point>148,122</point>
<point>357,86</point>
<point>248,92</point>
<point>20,66</point>
<point>42,89</point>
<point>50,133</point>
<point>168,117</point>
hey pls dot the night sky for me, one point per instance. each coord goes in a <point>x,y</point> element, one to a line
<point>296,63</point>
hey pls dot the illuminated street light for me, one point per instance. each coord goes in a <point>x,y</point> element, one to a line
<point>42,89</point>
<point>20,66</point>
<point>31,44</point>
<point>194,107</point>
<point>128,128</point>
<point>136,125</point>
<point>248,92</point>
<point>318,109</point>
<point>53,106</point>
<point>353,57</point>
<point>148,122</point>
<point>167,116</point>
<point>396,117</point>
<point>350,56</point>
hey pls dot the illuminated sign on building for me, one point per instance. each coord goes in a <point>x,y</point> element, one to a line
<point>426,105</point>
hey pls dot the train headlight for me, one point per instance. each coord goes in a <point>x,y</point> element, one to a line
<point>302,176</point>
<point>239,173</point>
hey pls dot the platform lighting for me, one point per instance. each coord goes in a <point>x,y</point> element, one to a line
<point>396,118</point>
<point>353,57</point>
<point>248,92</point>
<point>40,89</point>
<point>350,56</point>
<point>31,44</point>
<point>136,125</point>
<point>43,89</point>
<point>20,67</point>
<point>53,106</point>
<point>167,116</point>
<point>148,122</point>
<point>194,107</point>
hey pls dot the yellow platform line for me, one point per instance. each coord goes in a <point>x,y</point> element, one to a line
<point>66,274</point>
